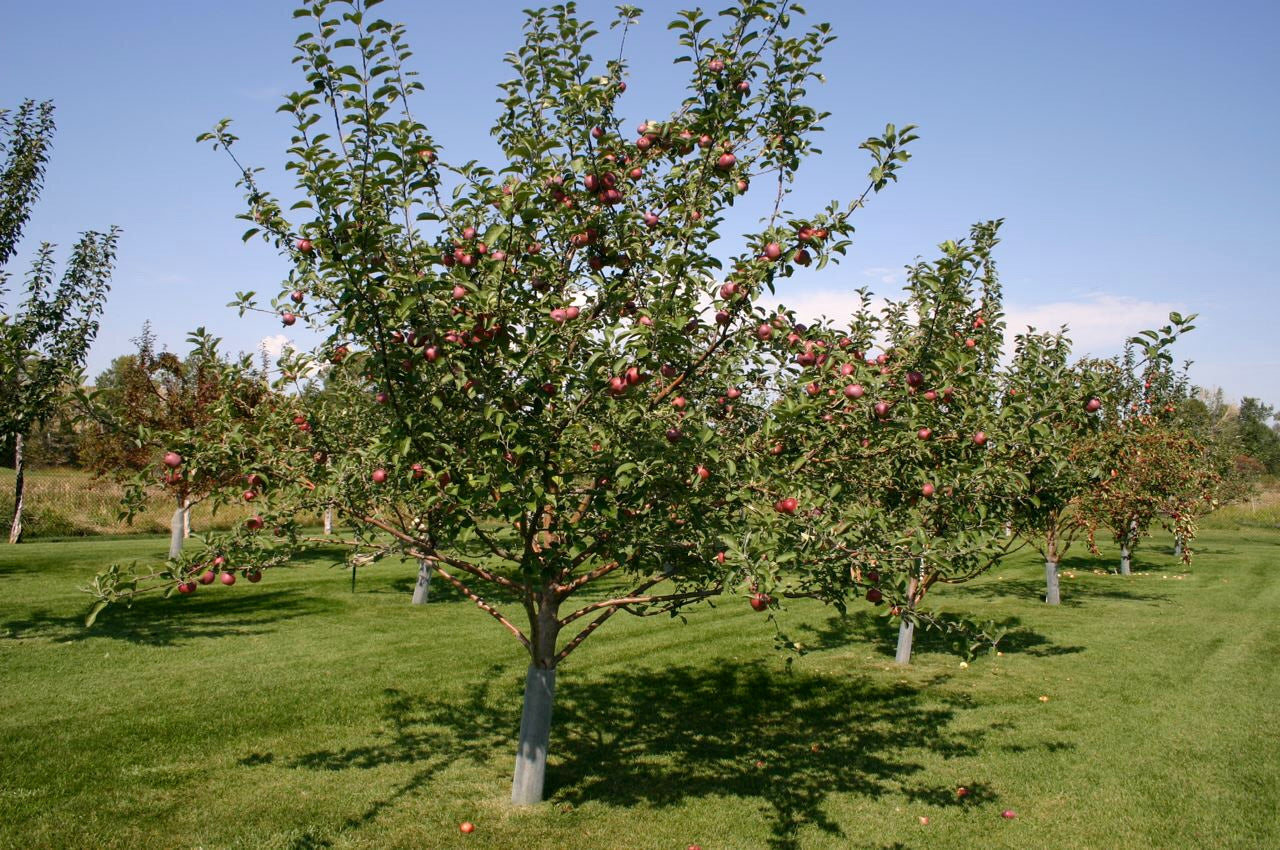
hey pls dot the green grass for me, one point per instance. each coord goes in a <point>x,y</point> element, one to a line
<point>295,714</point>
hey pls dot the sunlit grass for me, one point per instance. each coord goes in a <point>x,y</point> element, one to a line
<point>296,714</point>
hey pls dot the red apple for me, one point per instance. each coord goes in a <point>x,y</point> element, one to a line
<point>172,460</point>
<point>914,379</point>
<point>249,495</point>
<point>760,601</point>
<point>1008,814</point>
<point>187,587</point>
<point>253,523</point>
<point>980,438</point>
<point>379,476</point>
<point>466,827</point>
<point>726,161</point>
<point>703,473</point>
<point>855,391</point>
<point>874,595</point>
<point>254,576</point>
<point>1093,405</point>
<point>207,577</point>
<point>287,319</point>
<point>881,409</point>
<point>927,490</point>
<point>786,506</point>
<point>772,251</point>
<point>924,433</point>
<point>381,398</point>
<point>651,219</point>
<point>674,435</point>
<point>304,245</point>
<point>228,579</point>
<point>297,296</point>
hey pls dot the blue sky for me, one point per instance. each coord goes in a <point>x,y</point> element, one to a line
<point>1131,147</point>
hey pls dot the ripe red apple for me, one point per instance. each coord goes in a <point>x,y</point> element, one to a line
<point>715,66</point>
<point>679,402</point>
<point>881,409</point>
<point>855,391</point>
<point>431,353</point>
<point>924,433</point>
<point>254,576</point>
<point>559,316</point>
<point>764,332</point>
<point>914,379</point>
<point>930,395</point>
<point>744,87</point>
<point>772,251</point>
<point>572,312</point>
<point>381,398</point>
<point>187,587</point>
<point>726,161</point>
<point>970,342</point>
<point>704,473</point>
<point>466,827</point>
<point>253,523</point>
<point>874,596</point>
<point>304,245</point>
<point>980,438</point>
<point>733,392</point>
<point>297,296</point>
<point>873,577</point>
<point>962,791</point>
<point>228,579</point>
<point>760,601</point>
<point>1008,814</point>
<point>651,219</point>
<point>459,292</point>
<point>173,460</point>
<point>287,319</point>
<point>927,490</point>
<point>786,506</point>
<point>803,257</point>
<point>207,577</point>
<point>379,476</point>
<point>249,495</point>
<point>674,435</point>
<point>1093,405</point>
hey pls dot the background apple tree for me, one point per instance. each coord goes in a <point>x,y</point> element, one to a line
<point>563,387</point>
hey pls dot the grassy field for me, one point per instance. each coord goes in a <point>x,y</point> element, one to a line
<point>296,714</point>
<point>65,502</point>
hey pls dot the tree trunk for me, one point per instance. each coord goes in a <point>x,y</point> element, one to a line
<point>1177,547</point>
<point>186,518</point>
<point>328,520</point>
<point>906,632</point>
<point>1051,595</point>
<point>19,485</point>
<point>175,530</point>
<point>422,592</point>
<point>1124,559</point>
<point>906,628</point>
<point>539,698</point>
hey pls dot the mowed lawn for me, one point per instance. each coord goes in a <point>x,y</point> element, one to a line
<point>297,714</point>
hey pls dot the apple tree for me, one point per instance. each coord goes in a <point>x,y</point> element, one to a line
<point>888,472</point>
<point>1154,471</point>
<point>45,337</point>
<point>564,389</point>
<point>1051,406</point>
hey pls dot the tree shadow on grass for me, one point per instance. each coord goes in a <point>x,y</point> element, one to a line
<point>1074,593</point>
<point>168,622</point>
<point>660,737</point>
<point>882,634</point>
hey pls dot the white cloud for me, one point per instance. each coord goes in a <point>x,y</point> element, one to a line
<point>275,346</point>
<point>1096,324</point>
<point>884,275</point>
